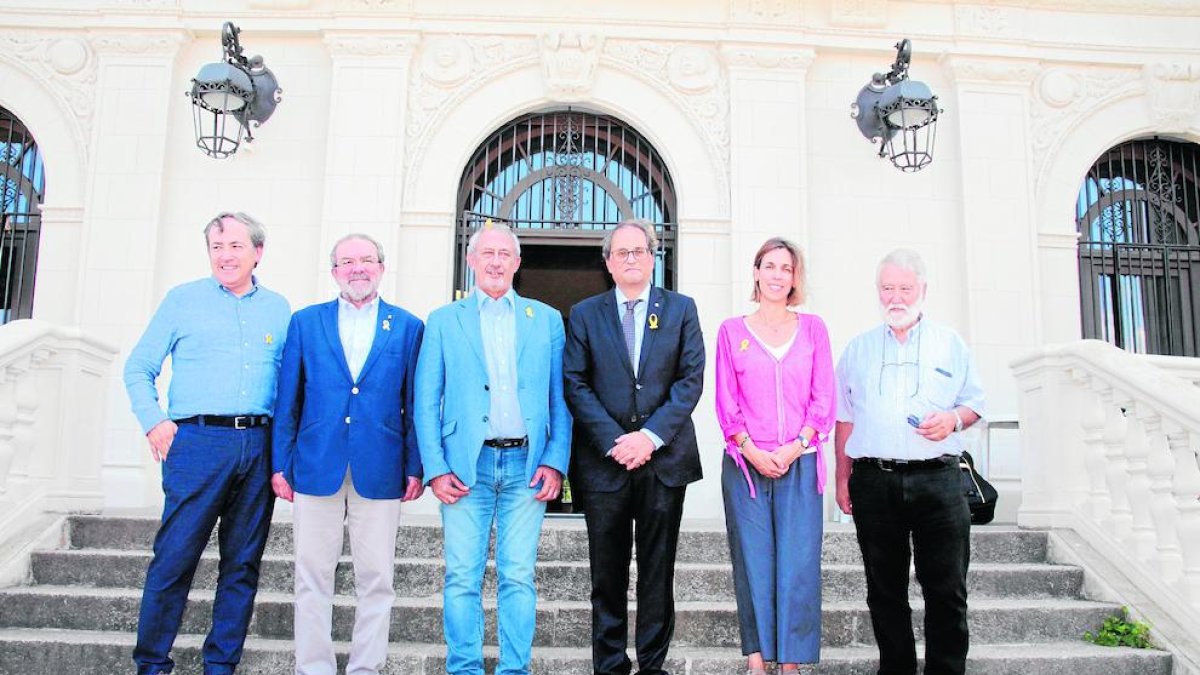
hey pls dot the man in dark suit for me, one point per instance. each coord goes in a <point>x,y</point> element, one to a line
<point>345,449</point>
<point>634,366</point>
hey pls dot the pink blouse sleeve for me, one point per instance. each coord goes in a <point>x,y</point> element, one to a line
<point>820,410</point>
<point>729,413</point>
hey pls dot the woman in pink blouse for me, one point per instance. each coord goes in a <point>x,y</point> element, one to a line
<point>775,403</point>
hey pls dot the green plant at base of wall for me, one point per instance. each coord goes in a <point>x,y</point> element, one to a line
<point>1118,631</point>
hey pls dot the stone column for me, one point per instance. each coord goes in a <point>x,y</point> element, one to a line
<point>366,144</point>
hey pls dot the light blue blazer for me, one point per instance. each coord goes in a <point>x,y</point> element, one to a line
<point>452,399</point>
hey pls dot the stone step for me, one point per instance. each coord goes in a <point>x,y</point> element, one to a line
<point>565,539</point>
<point>115,568</point>
<point>560,623</point>
<point>25,651</point>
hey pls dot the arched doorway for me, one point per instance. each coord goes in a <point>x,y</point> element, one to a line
<point>22,190</point>
<point>562,179</point>
<point>1138,218</point>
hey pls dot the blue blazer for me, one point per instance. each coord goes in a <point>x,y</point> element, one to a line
<point>453,398</point>
<point>608,401</point>
<point>326,422</point>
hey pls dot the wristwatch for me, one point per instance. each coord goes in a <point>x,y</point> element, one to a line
<point>958,423</point>
<point>804,442</point>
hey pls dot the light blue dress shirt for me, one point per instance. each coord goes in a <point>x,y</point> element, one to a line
<point>882,382</point>
<point>356,328</point>
<point>640,311</point>
<point>224,351</point>
<point>498,329</point>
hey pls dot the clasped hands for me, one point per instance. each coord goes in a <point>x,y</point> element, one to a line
<point>632,450</point>
<point>937,425</point>
<point>772,464</point>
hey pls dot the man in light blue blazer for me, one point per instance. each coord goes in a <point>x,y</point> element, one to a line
<point>495,439</point>
<point>345,450</point>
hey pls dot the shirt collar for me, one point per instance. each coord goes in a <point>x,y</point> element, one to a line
<point>253,287</point>
<point>913,332</point>
<point>644,296</point>
<point>347,306</point>
<point>481,299</point>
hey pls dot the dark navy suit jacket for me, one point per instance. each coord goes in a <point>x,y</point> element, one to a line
<point>607,401</point>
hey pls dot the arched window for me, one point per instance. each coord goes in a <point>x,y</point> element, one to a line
<point>22,188</point>
<point>561,179</point>
<point>1138,217</point>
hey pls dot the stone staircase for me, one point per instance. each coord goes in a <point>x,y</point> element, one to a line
<point>79,614</point>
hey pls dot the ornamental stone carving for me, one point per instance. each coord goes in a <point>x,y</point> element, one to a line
<point>1011,71</point>
<point>1173,94</point>
<point>446,61</point>
<point>66,64</point>
<point>569,64</point>
<point>988,21</point>
<point>768,12</point>
<point>767,58</point>
<point>858,13</point>
<point>366,45</point>
<point>707,107</point>
<point>693,70</point>
<point>1064,96</point>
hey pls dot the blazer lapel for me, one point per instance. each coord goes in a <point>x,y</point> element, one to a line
<point>329,321</point>
<point>468,320</point>
<point>523,318</point>
<point>654,316</point>
<point>616,335</point>
<point>383,332</point>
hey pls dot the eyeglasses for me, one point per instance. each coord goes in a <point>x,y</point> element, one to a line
<point>627,253</point>
<point>908,372</point>
<point>368,261</point>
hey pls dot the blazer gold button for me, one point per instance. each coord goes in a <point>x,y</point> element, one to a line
<point>354,390</point>
<point>347,419</point>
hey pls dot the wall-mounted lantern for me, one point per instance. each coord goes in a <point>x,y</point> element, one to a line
<point>240,89</point>
<point>899,113</point>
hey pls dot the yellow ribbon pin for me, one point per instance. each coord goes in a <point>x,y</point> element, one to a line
<point>269,339</point>
<point>529,312</point>
<point>387,324</point>
<point>744,346</point>
<point>653,322</point>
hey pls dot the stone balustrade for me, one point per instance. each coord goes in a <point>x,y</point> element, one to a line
<point>52,391</point>
<point>1109,449</point>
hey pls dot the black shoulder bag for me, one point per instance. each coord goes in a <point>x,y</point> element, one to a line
<point>981,496</point>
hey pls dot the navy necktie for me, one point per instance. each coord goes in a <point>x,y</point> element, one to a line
<point>627,329</point>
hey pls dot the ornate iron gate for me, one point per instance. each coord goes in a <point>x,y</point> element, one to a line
<point>1138,217</point>
<point>22,188</point>
<point>565,178</point>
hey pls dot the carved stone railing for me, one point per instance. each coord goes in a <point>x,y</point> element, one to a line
<point>1109,449</point>
<point>52,391</point>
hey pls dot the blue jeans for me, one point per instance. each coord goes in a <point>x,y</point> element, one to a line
<point>501,494</point>
<point>210,474</point>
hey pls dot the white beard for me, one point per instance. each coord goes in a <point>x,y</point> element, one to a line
<point>909,317</point>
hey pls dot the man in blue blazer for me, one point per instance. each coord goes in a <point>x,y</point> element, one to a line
<point>495,439</point>
<point>634,365</point>
<point>345,450</point>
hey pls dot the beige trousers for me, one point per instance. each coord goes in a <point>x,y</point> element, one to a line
<point>317,526</point>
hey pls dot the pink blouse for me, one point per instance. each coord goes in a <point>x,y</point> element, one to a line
<point>773,399</point>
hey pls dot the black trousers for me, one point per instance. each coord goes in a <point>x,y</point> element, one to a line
<point>646,512</point>
<point>927,505</point>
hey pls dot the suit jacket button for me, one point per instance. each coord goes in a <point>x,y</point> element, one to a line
<point>638,386</point>
<point>631,419</point>
<point>347,419</point>
<point>354,390</point>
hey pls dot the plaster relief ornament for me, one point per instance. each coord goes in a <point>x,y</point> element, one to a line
<point>1173,94</point>
<point>693,70</point>
<point>446,61</point>
<point>569,64</point>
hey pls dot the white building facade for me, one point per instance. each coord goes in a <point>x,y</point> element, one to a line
<point>739,107</point>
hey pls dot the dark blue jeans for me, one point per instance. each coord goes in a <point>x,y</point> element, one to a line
<point>927,505</point>
<point>211,474</point>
